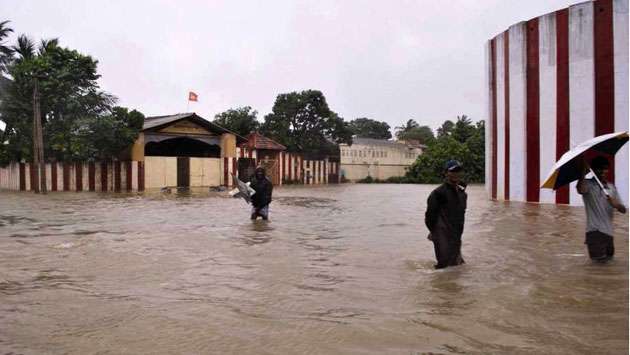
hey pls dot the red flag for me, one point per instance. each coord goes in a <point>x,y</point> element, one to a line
<point>192,96</point>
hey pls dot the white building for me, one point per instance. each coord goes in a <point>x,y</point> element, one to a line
<point>377,158</point>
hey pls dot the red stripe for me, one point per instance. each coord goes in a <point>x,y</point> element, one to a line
<point>532,128</point>
<point>78,175</point>
<point>103,176</point>
<point>249,153</point>
<point>325,170</point>
<point>53,176</point>
<point>604,72</point>
<point>506,67</point>
<point>22,177</point>
<point>282,178</point>
<point>302,169</point>
<point>242,153</point>
<point>562,94</point>
<point>66,176</point>
<point>33,178</point>
<point>117,176</point>
<point>129,176</point>
<point>140,176</point>
<point>493,85</point>
<point>225,171</point>
<point>91,176</point>
<point>319,171</point>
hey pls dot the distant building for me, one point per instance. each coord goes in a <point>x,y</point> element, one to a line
<point>380,159</point>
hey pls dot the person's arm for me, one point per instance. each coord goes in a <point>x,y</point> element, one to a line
<point>615,201</point>
<point>433,210</point>
<point>582,185</point>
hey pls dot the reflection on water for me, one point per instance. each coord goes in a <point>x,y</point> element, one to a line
<point>337,269</point>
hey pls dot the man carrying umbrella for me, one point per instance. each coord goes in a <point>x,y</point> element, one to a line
<point>600,201</point>
<point>444,217</point>
<point>600,197</point>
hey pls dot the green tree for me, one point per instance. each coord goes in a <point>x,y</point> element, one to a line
<point>446,128</point>
<point>241,120</point>
<point>463,129</point>
<point>368,128</point>
<point>69,94</point>
<point>409,125</point>
<point>429,167</point>
<point>6,53</point>
<point>413,131</point>
<point>464,142</point>
<point>302,121</point>
<point>105,137</point>
<point>423,134</point>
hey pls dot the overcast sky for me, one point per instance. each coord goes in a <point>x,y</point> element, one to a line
<point>386,60</point>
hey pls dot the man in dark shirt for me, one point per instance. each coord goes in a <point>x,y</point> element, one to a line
<point>444,217</point>
<point>262,198</point>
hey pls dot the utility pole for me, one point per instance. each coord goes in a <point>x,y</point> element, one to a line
<point>39,164</point>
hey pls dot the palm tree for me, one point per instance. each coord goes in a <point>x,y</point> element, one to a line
<point>6,53</point>
<point>25,48</point>
<point>47,45</point>
<point>411,124</point>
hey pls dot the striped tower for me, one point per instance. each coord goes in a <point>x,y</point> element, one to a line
<point>552,82</point>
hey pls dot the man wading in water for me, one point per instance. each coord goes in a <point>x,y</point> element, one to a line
<point>599,211</point>
<point>262,198</point>
<point>446,207</point>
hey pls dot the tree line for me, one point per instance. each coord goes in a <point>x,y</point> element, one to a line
<point>80,121</point>
<point>302,121</point>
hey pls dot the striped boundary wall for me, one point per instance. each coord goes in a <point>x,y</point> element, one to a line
<point>127,176</point>
<point>116,176</point>
<point>553,82</point>
<point>293,168</point>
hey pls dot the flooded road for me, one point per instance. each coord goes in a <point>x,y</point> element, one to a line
<point>338,270</point>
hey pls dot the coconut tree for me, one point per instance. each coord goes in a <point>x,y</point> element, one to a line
<point>25,48</point>
<point>6,53</point>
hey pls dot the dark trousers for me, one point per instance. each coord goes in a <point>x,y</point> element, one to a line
<point>448,250</point>
<point>600,246</point>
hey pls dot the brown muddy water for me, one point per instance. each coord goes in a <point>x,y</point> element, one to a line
<point>338,270</point>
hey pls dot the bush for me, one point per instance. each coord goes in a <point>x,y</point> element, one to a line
<point>367,180</point>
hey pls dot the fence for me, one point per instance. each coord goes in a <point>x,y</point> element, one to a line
<point>157,172</point>
<point>80,176</point>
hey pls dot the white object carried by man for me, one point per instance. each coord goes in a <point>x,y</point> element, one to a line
<point>242,190</point>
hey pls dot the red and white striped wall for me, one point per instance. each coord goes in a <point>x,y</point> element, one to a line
<point>91,176</point>
<point>553,82</point>
<point>294,169</point>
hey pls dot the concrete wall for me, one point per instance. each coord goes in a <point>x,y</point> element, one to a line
<point>553,82</point>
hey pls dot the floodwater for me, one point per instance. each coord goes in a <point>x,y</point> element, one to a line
<point>341,269</point>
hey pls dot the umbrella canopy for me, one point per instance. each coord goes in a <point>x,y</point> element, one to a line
<point>567,169</point>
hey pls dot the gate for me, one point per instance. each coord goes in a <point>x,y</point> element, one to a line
<point>246,168</point>
<point>183,172</point>
<point>271,167</point>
